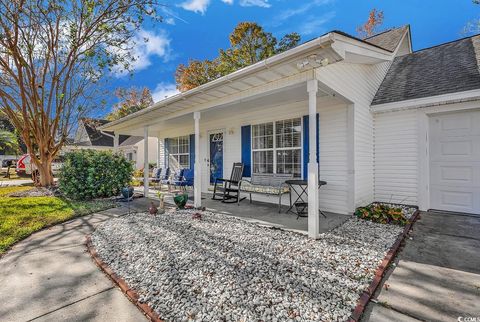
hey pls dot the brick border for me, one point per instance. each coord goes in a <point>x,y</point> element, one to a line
<point>380,271</point>
<point>131,294</point>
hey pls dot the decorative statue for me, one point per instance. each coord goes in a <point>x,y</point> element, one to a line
<point>152,210</point>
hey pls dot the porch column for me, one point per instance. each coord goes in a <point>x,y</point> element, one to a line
<point>116,140</point>
<point>313,203</point>
<point>158,152</point>
<point>197,180</point>
<point>145,161</point>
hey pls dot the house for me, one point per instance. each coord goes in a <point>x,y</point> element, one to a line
<point>88,136</point>
<point>371,117</point>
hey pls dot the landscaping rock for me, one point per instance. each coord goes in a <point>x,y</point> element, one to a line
<point>224,269</point>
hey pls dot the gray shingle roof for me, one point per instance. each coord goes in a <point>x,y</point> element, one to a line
<point>97,138</point>
<point>443,69</point>
<point>389,39</point>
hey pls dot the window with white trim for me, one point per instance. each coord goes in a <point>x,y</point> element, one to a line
<point>277,147</point>
<point>179,152</point>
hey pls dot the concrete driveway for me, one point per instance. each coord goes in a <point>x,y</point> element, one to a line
<point>50,277</point>
<point>437,274</point>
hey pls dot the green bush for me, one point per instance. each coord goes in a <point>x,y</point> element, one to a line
<point>88,174</point>
<point>382,213</point>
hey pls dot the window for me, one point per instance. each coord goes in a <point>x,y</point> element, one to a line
<point>276,147</point>
<point>129,156</point>
<point>179,152</point>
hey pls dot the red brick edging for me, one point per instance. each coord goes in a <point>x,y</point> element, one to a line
<point>368,293</point>
<point>130,293</point>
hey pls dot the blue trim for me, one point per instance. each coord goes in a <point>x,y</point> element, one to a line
<point>306,149</point>
<point>247,150</point>
<point>192,151</point>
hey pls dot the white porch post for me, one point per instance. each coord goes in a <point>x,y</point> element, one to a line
<point>116,140</point>
<point>313,203</point>
<point>158,152</point>
<point>197,180</point>
<point>145,161</point>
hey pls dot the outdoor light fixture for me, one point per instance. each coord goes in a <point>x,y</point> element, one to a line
<point>313,61</point>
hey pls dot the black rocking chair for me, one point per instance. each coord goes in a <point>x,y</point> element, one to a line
<point>228,190</point>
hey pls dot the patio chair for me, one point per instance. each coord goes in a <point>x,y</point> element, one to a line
<point>155,179</point>
<point>165,177</point>
<point>177,178</point>
<point>228,190</point>
<point>184,181</point>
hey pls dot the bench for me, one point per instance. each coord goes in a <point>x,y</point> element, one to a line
<point>268,184</point>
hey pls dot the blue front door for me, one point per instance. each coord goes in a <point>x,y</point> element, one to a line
<point>216,156</point>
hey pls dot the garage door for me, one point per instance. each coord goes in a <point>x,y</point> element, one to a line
<point>455,162</point>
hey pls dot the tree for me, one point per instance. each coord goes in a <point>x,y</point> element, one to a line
<point>131,101</point>
<point>196,73</point>
<point>371,26</point>
<point>288,41</point>
<point>8,141</point>
<point>54,55</point>
<point>472,26</point>
<point>249,43</point>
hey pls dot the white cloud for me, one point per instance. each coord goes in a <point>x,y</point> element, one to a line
<point>291,12</point>
<point>169,21</point>
<point>314,24</point>
<point>228,1</point>
<point>195,5</point>
<point>163,90</point>
<point>147,44</point>
<point>255,3</point>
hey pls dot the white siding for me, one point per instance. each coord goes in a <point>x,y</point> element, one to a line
<point>152,152</point>
<point>333,144</point>
<point>358,83</point>
<point>396,157</point>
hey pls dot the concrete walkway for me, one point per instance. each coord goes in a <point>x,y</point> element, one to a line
<point>437,274</point>
<point>50,277</point>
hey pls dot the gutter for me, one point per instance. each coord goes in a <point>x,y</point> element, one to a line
<point>322,41</point>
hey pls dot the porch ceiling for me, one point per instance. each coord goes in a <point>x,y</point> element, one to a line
<point>184,122</point>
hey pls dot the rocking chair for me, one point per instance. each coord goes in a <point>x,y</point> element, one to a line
<point>228,190</point>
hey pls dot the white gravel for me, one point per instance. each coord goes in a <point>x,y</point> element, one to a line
<point>224,269</point>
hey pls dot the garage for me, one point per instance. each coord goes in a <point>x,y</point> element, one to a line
<point>454,141</point>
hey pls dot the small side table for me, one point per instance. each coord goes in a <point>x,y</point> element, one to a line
<point>301,203</point>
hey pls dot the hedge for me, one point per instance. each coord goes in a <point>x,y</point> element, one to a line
<point>89,174</point>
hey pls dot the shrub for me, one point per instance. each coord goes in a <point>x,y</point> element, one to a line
<point>382,213</point>
<point>88,174</point>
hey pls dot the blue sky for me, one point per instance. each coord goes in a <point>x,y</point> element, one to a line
<point>199,28</point>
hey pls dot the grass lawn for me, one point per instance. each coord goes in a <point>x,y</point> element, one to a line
<point>20,217</point>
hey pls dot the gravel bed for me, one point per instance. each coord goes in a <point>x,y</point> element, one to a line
<point>221,268</point>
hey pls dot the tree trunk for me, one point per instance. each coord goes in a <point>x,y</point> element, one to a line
<point>45,173</point>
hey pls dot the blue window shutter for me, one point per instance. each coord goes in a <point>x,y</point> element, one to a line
<point>247,150</point>
<point>306,147</point>
<point>166,151</point>
<point>192,151</point>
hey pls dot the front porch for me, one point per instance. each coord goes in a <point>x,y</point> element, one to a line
<point>259,212</point>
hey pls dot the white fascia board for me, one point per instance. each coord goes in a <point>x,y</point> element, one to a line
<point>343,44</point>
<point>428,101</point>
<point>321,42</point>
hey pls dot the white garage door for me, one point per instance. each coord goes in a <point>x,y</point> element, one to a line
<point>455,162</point>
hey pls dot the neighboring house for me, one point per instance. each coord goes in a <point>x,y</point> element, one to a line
<point>88,136</point>
<point>391,124</point>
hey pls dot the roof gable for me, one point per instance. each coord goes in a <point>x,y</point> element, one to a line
<point>389,39</point>
<point>96,136</point>
<point>444,69</point>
